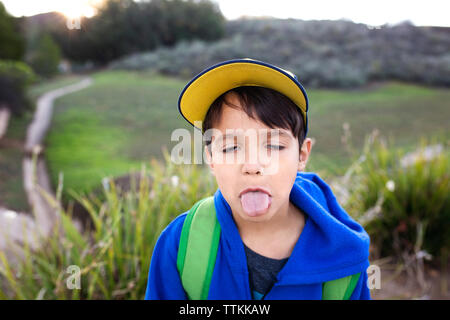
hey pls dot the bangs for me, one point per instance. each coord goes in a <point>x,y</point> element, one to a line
<point>266,105</point>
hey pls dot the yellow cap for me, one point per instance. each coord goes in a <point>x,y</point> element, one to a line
<point>198,95</point>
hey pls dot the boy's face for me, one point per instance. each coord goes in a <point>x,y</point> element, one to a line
<point>262,160</point>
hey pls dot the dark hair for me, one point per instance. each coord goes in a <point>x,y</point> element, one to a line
<point>270,106</point>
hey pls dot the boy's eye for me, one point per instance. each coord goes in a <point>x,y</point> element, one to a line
<point>275,147</point>
<point>270,146</point>
<point>229,149</point>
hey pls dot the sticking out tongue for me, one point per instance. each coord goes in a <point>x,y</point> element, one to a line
<point>255,202</point>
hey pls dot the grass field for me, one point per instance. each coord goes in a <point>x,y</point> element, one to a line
<point>125,118</point>
<point>113,126</point>
<point>401,112</point>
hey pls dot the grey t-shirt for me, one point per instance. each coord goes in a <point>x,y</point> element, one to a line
<point>262,272</point>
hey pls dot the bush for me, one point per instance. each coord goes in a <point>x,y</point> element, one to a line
<point>15,77</point>
<point>338,54</point>
<point>405,198</point>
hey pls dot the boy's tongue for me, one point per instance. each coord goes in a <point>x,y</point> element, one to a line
<point>255,202</point>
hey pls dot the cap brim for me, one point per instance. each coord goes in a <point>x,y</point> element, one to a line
<point>198,95</point>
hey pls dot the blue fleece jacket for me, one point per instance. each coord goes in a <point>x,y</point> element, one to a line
<point>331,246</point>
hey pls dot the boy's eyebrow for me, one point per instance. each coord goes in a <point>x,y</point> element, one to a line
<point>279,133</point>
<point>269,132</point>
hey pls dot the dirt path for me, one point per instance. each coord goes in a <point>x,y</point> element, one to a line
<point>42,117</point>
<point>16,228</point>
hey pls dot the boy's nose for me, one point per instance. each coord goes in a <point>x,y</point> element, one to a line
<point>252,168</point>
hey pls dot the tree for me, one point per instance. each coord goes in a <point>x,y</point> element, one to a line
<point>12,44</point>
<point>123,27</point>
<point>44,56</point>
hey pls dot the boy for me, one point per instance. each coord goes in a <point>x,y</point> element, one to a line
<point>282,233</point>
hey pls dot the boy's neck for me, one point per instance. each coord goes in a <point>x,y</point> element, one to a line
<point>276,237</point>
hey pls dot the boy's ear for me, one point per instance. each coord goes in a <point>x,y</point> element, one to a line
<point>305,150</point>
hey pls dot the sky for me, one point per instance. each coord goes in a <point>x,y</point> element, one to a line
<point>374,13</point>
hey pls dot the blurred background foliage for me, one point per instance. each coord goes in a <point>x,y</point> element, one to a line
<point>125,27</point>
<point>321,53</point>
<point>15,78</point>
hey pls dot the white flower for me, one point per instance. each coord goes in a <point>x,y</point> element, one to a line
<point>390,185</point>
<point>175,180</point>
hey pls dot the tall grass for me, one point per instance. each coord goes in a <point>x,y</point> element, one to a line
<point>113,259</point>
<point>402,199</point>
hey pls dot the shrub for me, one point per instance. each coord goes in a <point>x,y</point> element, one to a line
<point>321,53</point>
<point>405,198</point>
<point>15,77</point>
